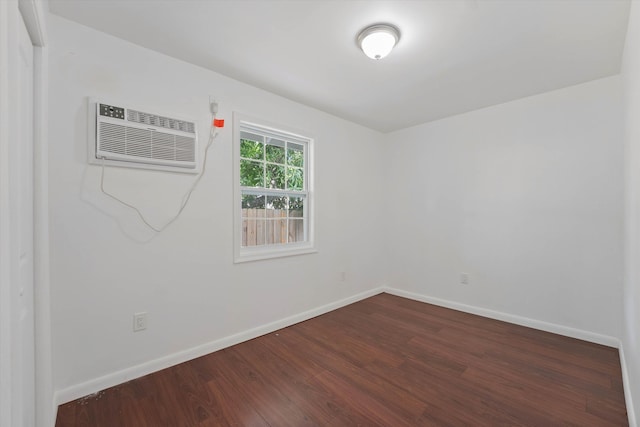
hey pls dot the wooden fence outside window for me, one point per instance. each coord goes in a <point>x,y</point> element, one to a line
<point>272,226</point>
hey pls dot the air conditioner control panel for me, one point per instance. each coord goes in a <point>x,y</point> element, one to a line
<point>111,111</point>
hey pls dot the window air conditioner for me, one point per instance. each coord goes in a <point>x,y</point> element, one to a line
<point>130,137</point>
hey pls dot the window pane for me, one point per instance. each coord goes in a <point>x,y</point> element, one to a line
<point>261,226</point>
<point>295,178</point>
<point>252,201</point>
<point>251,173</point>
<point>296,230</point>
<point>251,148</point>
<point>253,206</point>
<point>296,207</point>
<point>276,231</point>
<point>277,203</point>
<point>295,155</point>
<point>275,176</point>
<point>253,232</point>
<point>275,151</point>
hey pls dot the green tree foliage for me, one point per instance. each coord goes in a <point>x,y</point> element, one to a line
<point>269,166</point>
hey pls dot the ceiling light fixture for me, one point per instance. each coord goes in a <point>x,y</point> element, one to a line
<point>377,41</point>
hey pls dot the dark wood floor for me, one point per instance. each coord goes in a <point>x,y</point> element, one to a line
<point>384,361</point>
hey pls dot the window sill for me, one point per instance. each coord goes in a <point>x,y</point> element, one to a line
<point>257,254</point>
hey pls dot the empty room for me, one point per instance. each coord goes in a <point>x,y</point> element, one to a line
<point>319,212</point>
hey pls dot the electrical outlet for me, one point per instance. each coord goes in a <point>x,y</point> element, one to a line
<point>464,278</point>
<point>139,321</point>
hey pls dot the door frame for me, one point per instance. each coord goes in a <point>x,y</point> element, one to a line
<point>33,13</point>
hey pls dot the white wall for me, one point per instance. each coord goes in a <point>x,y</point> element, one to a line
<point>631,78</point>
<point>525,197</point>
<point>105,265</point>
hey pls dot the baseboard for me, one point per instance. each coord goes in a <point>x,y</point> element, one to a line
<point>119,377</point>
<point>626,383</point>
<point>511,318</point>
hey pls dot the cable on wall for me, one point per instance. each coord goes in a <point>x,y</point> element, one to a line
<point>213,133</point>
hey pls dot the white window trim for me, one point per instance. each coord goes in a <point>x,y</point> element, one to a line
<point>255,253</point>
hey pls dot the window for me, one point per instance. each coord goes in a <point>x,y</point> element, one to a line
<point>273,215</point>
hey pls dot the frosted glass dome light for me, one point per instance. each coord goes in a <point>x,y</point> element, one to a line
<point>378,40</point>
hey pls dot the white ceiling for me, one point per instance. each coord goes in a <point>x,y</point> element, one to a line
<point>453,56</point>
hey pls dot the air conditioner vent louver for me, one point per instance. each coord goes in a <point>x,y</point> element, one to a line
<point>139,138</point>
<point>159,121</point>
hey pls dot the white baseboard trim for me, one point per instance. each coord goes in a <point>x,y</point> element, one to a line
<point>511,318</point>
<point>626,382</point>
<point>97,384</point>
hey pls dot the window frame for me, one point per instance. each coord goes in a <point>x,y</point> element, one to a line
<point>242,122</point>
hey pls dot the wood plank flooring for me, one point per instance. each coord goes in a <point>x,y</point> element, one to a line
<point>384,361</point>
